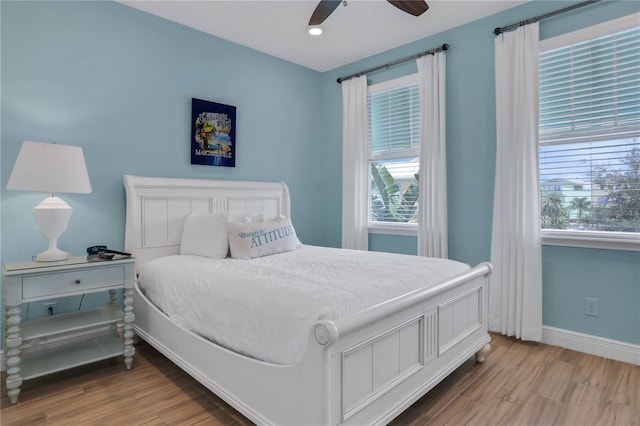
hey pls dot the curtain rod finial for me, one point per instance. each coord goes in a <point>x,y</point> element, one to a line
<point>497,31</point>
<point>445,46</point>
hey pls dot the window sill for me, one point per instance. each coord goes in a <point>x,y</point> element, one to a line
<point>405,229</point>
<point>591,239</point>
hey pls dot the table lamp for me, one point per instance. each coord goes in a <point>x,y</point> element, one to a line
<point>49,167</point>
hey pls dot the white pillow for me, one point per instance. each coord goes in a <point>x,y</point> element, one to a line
<point>249,240</point>
<point>205,234</point>
<point>248,217</point>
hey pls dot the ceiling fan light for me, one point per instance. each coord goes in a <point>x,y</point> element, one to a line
<point>315,30</point>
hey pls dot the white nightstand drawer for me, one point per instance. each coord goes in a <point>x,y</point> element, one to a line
<point>71,282</point>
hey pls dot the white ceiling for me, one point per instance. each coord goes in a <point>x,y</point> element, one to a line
<point>279,28</point>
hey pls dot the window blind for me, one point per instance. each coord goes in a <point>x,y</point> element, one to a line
<point>590,89</point>
<point>589,132</point>
<point>394,121</point>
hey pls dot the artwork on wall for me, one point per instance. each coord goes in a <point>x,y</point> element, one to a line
<point>213,133</point>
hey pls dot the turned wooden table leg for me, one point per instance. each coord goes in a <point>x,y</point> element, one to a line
<point>129,350</point>
<point>481,355</point>
<point>13,342</point>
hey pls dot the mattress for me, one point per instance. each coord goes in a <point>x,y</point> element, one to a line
<point>265,308</point>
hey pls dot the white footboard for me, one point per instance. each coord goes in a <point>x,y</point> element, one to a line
<point>385,358</point>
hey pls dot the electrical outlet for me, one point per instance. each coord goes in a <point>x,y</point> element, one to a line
<point>49,308</point>
<point>591,307</point>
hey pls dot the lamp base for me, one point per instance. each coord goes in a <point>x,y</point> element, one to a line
<point>52,256</point>
<point>52,217</point>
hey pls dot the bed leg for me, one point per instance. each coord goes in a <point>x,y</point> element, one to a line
<point>481,355</point>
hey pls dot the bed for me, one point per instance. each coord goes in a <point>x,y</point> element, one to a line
<point>363,367</point>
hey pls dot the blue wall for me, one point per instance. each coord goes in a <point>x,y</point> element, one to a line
<point>613,277</point>
<point>119,82</point>
<point>569,274</point>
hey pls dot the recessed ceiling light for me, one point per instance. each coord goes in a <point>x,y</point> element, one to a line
<point>315,30</point>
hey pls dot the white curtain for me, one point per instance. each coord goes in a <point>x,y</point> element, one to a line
<point>432,221</point>
<point>515,291</point>
<point>355,164</point>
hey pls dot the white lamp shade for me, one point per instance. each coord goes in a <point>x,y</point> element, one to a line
<point>47,167</point>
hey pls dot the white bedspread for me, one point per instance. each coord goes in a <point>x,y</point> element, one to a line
<point>265,307</point>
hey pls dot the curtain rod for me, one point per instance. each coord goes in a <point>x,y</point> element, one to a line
<point>501,30</point>
<point>399,61</point>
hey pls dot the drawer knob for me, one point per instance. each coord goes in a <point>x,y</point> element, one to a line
<point>77,281</point>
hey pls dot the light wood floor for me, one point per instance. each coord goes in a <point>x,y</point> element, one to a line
<point>519,384</point>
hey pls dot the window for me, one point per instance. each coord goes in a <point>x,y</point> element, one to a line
<point>394,154</point>
<point>589,132</point>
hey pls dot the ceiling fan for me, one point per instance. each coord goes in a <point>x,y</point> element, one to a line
<point>326,7</point>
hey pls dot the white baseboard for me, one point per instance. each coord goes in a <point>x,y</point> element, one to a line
<point>593,345</point>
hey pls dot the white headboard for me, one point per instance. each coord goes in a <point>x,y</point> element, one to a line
<point>156,208</point>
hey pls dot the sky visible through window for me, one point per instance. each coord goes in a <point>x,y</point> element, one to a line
<point>579,161</point>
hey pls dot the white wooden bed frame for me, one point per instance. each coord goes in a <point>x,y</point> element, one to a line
<point>362,369</point>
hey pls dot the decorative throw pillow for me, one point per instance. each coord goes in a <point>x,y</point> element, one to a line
<point>205,234</point>
<point>249,240</point>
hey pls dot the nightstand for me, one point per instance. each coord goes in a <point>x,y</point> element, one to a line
<point>33,281</point>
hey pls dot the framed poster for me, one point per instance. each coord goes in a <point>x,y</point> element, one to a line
<point>213,133</point>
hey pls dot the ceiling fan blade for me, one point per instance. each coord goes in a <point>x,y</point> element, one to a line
<point>323,10</point>
<point>414,7</point>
